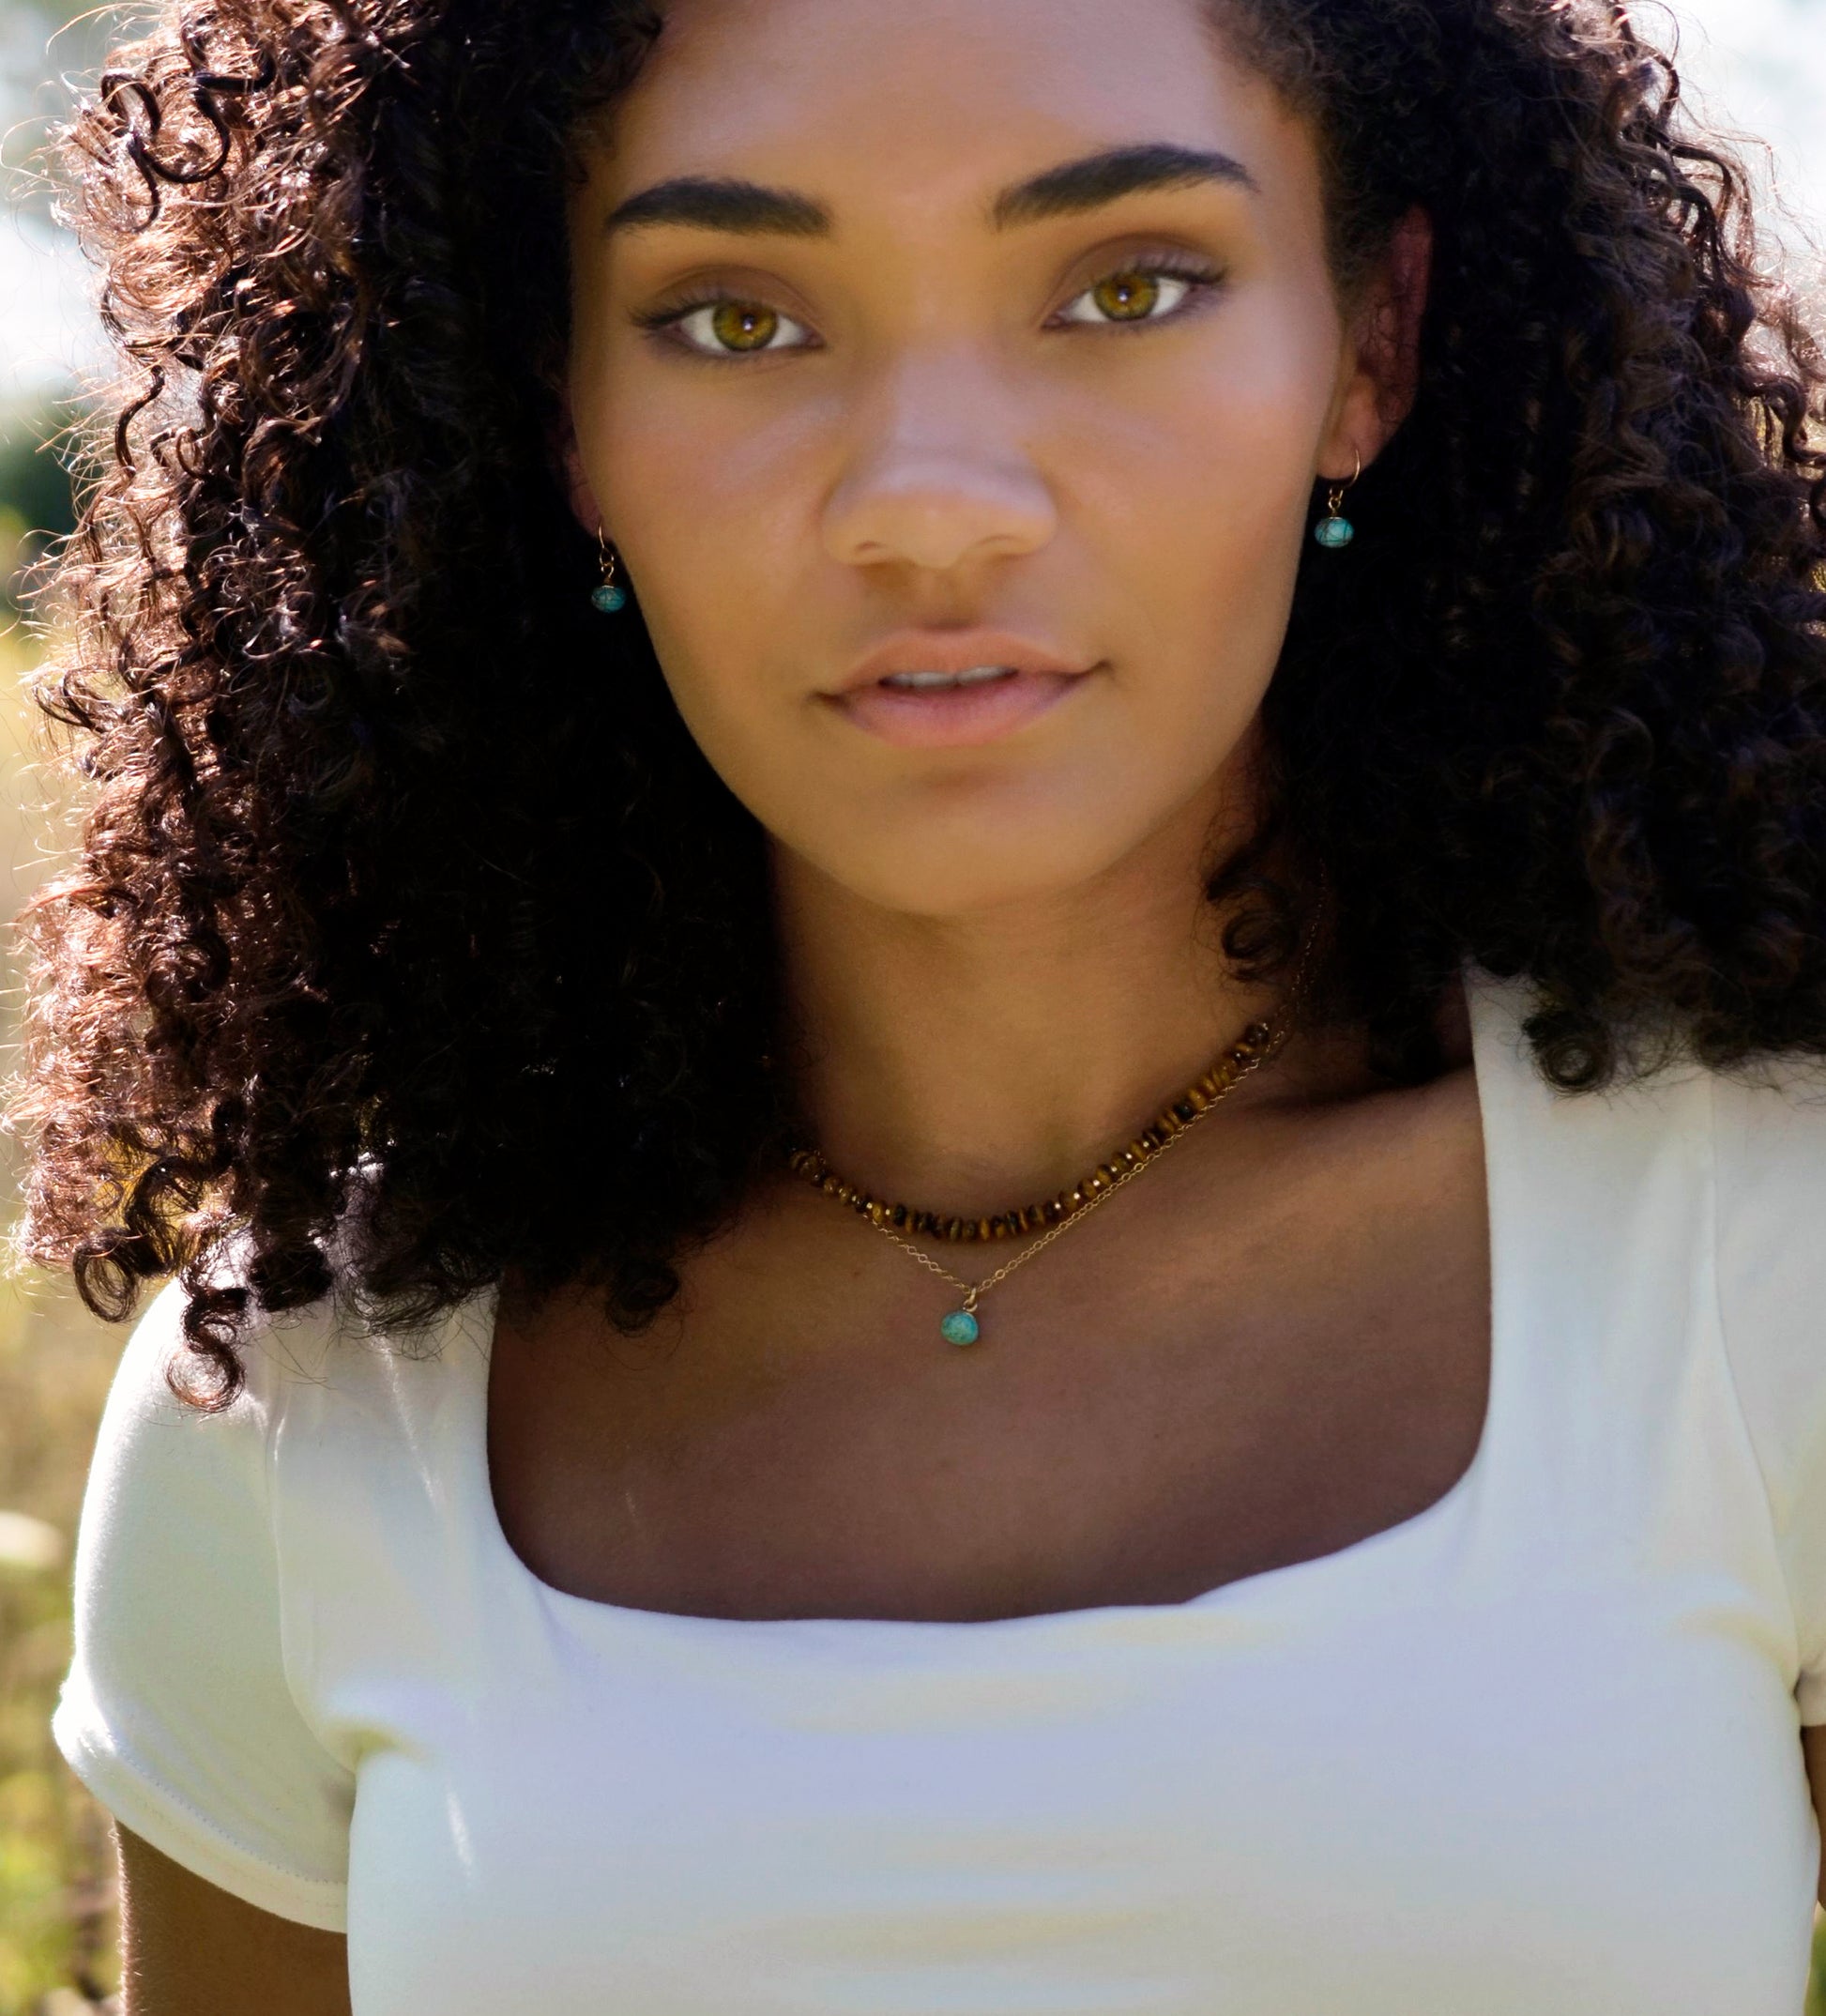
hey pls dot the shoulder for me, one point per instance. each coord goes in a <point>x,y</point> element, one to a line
<point>321,1391</point>
<point>161,1461</point>
<point>182,1709</point>
<point>277,1353</point>
<point>1716,1175</point>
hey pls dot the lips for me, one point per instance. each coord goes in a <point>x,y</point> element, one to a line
<point>951,688</point>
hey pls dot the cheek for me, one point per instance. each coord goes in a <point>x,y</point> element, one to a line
<point>1183,487</point>
<point>716,517</point>
<point>1197,511</point>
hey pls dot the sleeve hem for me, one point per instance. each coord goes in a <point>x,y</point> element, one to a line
<point>161,1818</point>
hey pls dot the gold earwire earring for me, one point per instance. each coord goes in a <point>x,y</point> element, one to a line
<point>608,594</point>
<point>1334,530</point>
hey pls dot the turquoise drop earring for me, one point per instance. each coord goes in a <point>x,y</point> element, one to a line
<point>1334,530</point>
<point>608,594</point>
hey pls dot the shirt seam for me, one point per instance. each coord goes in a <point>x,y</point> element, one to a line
<point>105,1757</point>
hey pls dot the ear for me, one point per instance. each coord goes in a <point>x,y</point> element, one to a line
<point>578,494</point>
<point>1392,349</point>
<point>1384,372</point>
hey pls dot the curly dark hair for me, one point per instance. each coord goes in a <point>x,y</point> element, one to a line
<point>414,946</point>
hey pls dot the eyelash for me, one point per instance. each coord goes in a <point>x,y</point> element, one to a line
<point>1200,275</point>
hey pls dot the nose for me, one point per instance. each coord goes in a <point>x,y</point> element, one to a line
<point>936,478</point>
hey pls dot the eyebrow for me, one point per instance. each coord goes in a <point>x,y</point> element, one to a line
<point>753,209</point>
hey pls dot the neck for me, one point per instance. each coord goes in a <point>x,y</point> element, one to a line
<point>964,1064</point>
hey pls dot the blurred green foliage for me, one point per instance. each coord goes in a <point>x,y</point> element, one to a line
<point>56,1864</point>
<point>37,502</point>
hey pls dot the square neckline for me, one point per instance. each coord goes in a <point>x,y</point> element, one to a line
<point>1484,997</point>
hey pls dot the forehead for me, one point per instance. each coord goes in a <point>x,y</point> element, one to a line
<point>854,93</point>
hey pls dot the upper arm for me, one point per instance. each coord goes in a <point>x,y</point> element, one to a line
<point>189,1948</point>
<point>1813,1745</point>
<point>181,1710</point>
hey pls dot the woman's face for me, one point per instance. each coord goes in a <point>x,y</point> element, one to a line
<point>960,334</point>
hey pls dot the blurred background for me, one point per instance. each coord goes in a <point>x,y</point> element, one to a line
<point>1757,67</point>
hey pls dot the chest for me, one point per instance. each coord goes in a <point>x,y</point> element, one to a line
<point>1225,1376</point>
<point>1532,1749</point>
<point>1584,1799</point>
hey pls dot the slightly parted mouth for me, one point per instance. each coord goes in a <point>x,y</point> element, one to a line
<point>948,681</point>
<point>942,661</point>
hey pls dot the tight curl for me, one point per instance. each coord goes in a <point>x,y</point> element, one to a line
<point>413,946</point>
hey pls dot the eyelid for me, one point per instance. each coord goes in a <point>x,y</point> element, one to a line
<point>662,323</point>
<point>1201,273</point>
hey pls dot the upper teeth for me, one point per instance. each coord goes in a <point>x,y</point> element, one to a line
<point>975,676</point>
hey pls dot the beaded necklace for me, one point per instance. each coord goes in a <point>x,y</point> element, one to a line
<point>1259,1045</point>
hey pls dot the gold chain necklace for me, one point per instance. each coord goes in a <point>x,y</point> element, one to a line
<point>1259,1045</point>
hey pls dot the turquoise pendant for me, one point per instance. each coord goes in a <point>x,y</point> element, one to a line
<point>1334,532</point>
<point>609,598</point>
<point>960,1327</point>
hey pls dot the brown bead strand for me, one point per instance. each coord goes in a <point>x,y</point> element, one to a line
<point>1173,1117</point>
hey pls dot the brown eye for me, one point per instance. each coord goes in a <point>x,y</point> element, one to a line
<point>743,325</point>
<point>1139,295</point>
<point>728,329</point>
<point>1127,297</point>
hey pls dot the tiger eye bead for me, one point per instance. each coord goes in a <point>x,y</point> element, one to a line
<point>1252,1049</point>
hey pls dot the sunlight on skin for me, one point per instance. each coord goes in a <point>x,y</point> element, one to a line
<point>939,450</point>
<point>947,428</point>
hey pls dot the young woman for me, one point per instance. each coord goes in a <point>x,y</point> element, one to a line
<point>955,894</point>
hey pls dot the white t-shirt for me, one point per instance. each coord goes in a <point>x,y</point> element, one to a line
<point>1533,1750</point>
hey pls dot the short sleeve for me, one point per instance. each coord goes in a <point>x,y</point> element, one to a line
<point>1771,1150</point>
<point>178,1712</point>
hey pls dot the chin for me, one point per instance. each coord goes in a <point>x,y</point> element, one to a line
<point>949,871</point>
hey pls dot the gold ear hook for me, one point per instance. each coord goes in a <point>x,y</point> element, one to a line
<point>608,594</point>
<point>1335,497</point>
<point>1334,530</point>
